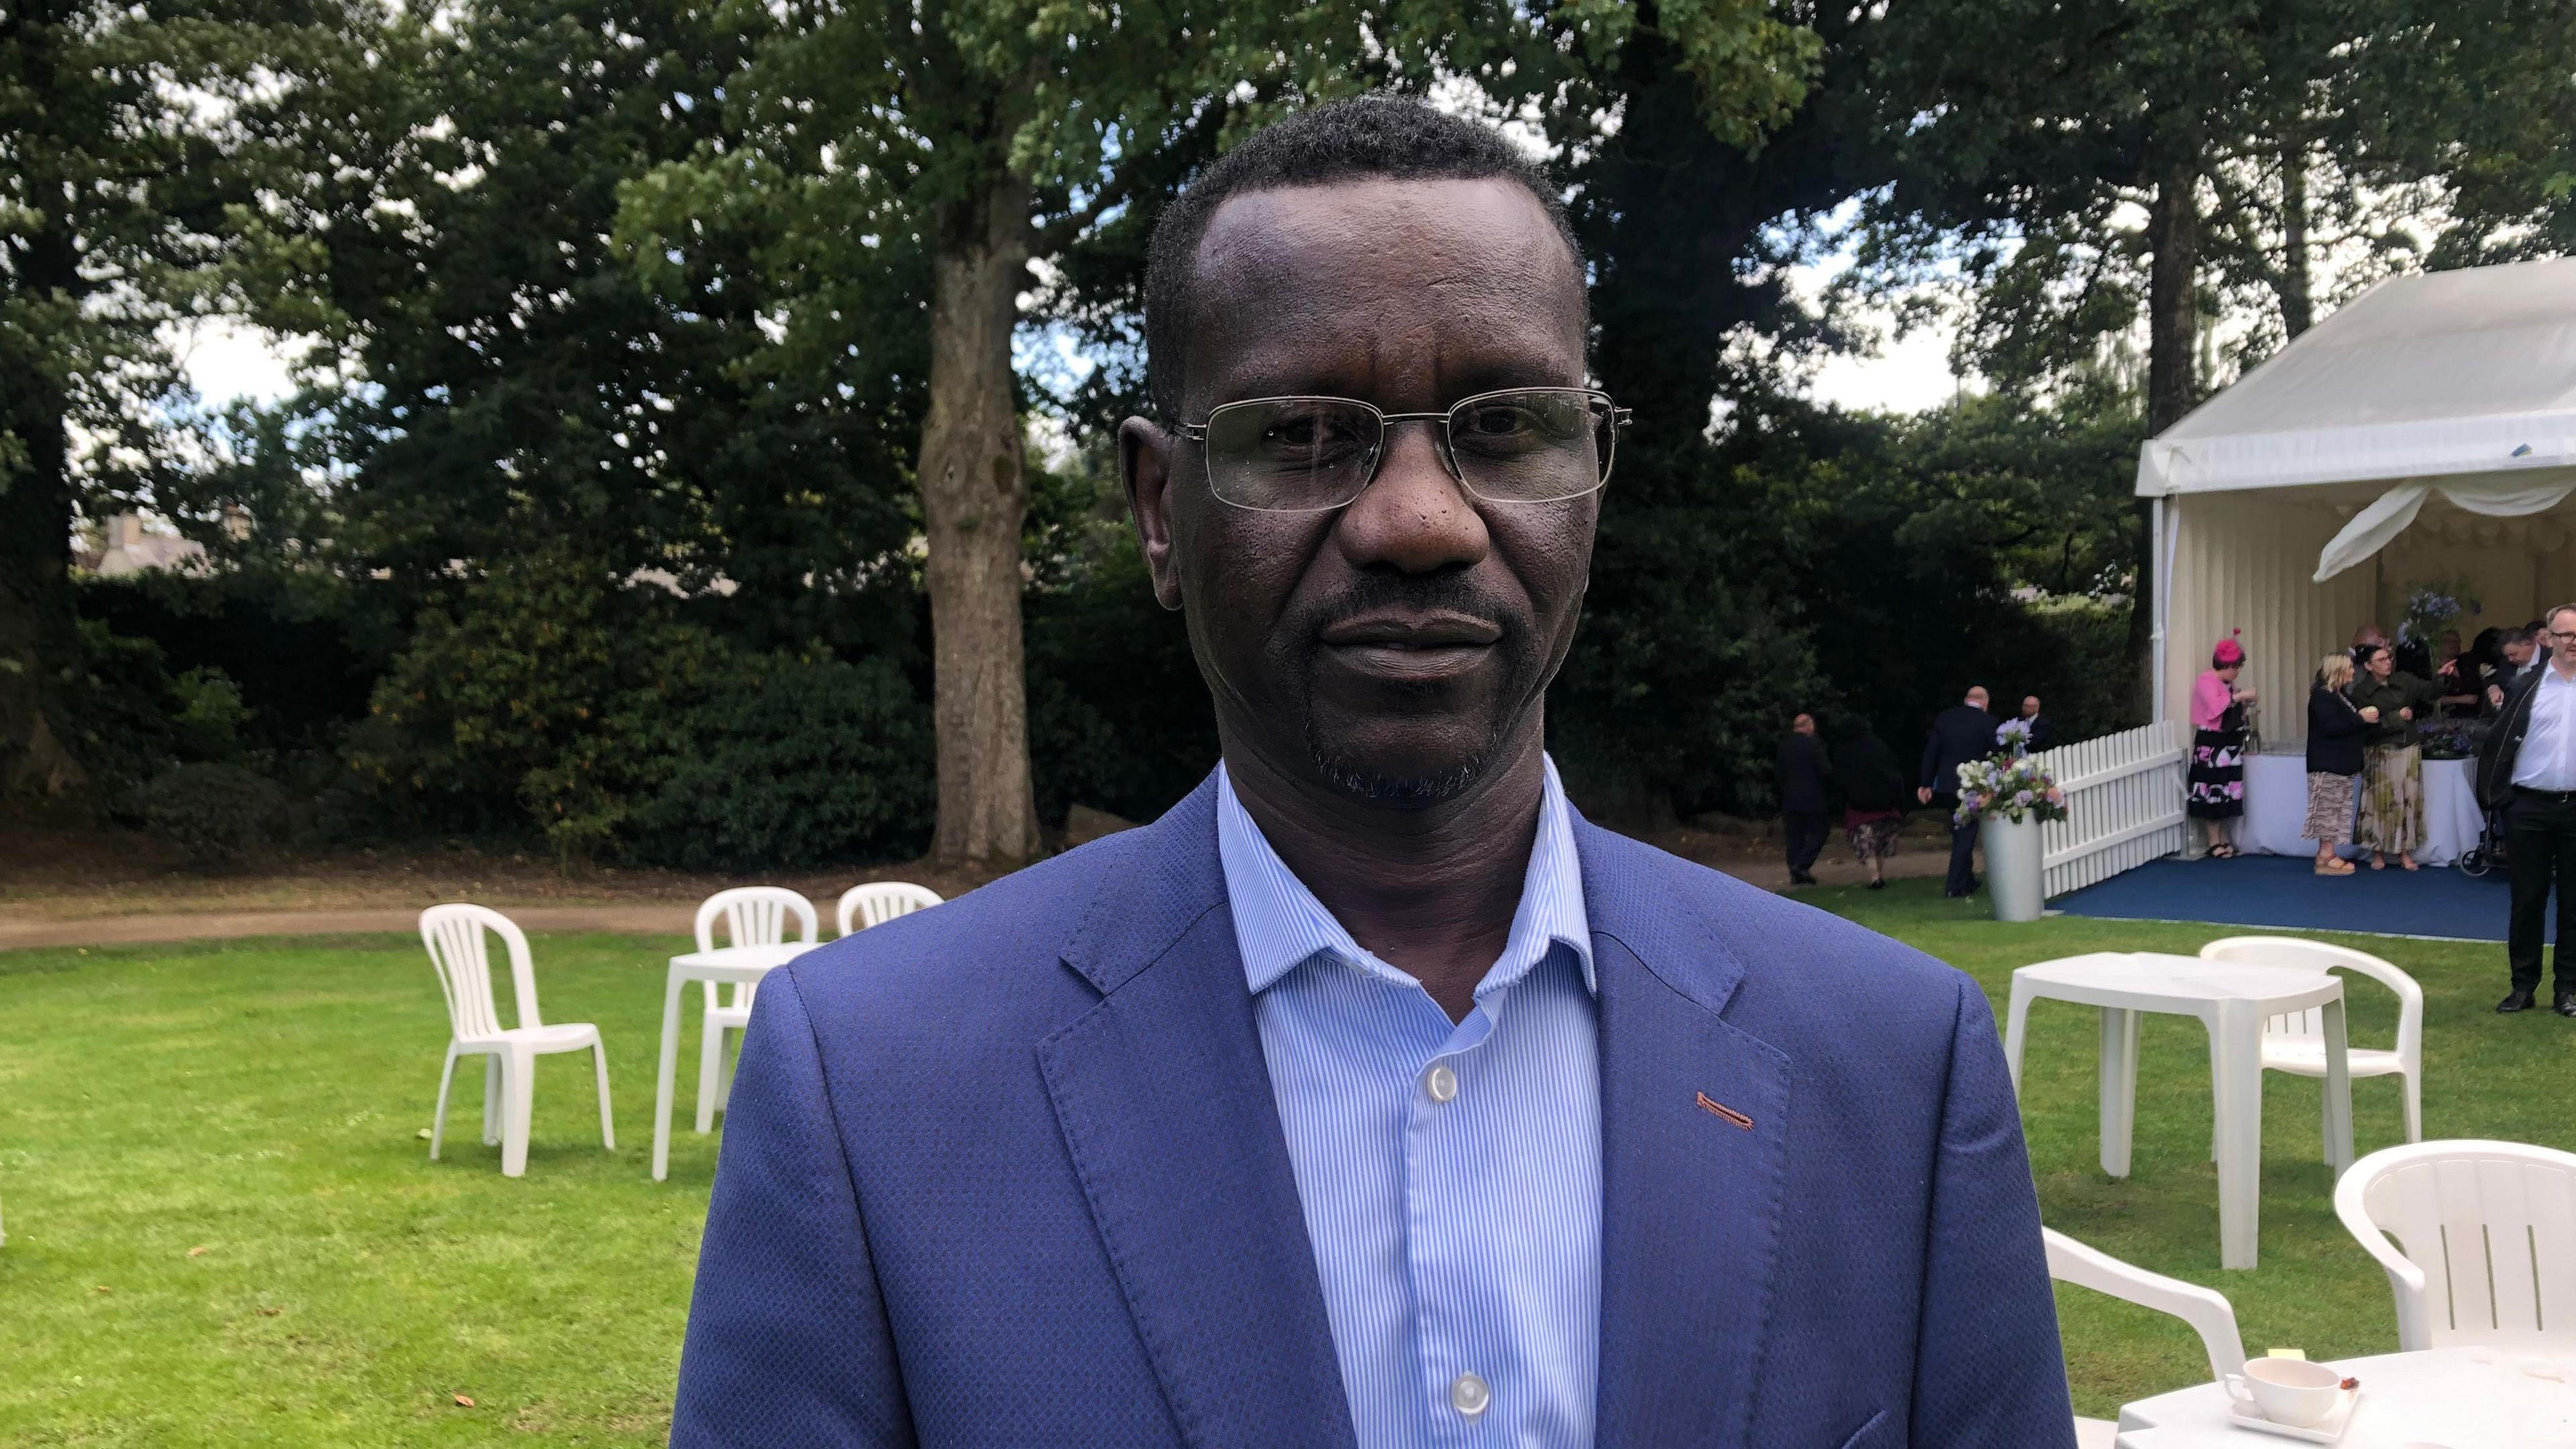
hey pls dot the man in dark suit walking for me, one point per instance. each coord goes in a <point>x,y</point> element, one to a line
<point>1963,732</point>
<point>1804,774</point>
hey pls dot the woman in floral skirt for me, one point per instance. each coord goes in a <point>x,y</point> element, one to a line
<point>2336,731</point>
<point>1873,798</point>
<point>2217,781</point>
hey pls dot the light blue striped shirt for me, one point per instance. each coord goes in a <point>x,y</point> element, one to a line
<point>1450,1173</point>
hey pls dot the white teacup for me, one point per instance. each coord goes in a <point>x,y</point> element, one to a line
<point>2287,1390</point>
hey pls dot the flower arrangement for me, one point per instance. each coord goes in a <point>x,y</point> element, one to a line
<point>2008,787</point>
<point>2014,735</point>
<point>2453,739</point>
<point>2430,609</point>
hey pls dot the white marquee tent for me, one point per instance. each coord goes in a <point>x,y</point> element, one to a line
<point>2424,434</point>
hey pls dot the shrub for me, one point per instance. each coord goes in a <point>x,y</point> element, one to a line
<point>120,705</point>
<point>506,705</point>
<point>208,715</point>
<point>281,639</point>
<point>1118,717</point>
<point>784,761</point>
<point>217,813</point>
<point>548,693</point>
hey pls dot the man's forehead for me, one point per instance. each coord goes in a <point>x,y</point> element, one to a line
<point>1358,278</point>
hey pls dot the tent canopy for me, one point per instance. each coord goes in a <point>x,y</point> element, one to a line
<point>2462,383</point>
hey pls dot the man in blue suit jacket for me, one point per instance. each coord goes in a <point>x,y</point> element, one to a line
<point>1371,1096</point>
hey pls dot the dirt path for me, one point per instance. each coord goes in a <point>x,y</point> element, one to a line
<point>637,917</point>
<point>640,915</point>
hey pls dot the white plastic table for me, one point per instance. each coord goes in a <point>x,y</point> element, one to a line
<point>725,963</point>
<point>2441,1398</point>
<point>2231,1000</point>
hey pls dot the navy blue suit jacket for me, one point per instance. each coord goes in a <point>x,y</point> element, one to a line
<point>1009,1172</point>
<point>1960,733</point>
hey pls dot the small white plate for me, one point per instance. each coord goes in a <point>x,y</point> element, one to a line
<point>2325,1431</point>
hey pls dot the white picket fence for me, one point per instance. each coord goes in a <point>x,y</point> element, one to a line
<point>2124,797</point>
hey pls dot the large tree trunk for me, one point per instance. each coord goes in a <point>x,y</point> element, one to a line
<point>974,493</point>
<point>38,637</point>
<point>2173,300</point>
<point>2298,309</point>
<point>2173,380</point>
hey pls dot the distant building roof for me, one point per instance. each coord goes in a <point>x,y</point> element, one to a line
<point>123,545</point>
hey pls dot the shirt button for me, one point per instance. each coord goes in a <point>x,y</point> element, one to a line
<point>1468,1395</point>
<point>1442,1084</point>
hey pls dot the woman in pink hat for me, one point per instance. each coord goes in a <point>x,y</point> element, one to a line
<point>2217,791</point>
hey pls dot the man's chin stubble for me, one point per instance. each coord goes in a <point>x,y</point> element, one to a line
<point>1379,787</point>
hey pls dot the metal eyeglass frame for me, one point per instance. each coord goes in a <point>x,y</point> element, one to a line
<point>1619,418</point>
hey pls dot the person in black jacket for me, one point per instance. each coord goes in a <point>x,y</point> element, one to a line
<point>2335,729</point>
<point>2043,730</point>
<point>1960,734</point>
<point>2524,651</point>
<point>2527,774</point>
<point>1804,775</point>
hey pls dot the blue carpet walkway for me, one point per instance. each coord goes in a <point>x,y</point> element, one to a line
<point>2285,891</point>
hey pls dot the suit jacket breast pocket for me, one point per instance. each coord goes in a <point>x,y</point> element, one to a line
<point>1878,1433</point>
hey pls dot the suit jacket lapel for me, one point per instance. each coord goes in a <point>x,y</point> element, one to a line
<point>1691,1195</point>
<point>1164,1100</point>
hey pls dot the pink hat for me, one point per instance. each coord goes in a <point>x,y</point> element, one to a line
<point>2228,651</point>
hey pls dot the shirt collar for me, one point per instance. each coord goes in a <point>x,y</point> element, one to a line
<point>1279,925</point>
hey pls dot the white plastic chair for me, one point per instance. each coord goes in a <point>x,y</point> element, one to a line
<point>2296,1043</point>
<point>2205,1309</point>
<point>753,916</point>
<point>2485,1238</point>
<point>457,952</point>
<point>878,902</point>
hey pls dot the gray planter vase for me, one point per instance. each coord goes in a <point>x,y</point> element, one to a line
<point>2013,868</point>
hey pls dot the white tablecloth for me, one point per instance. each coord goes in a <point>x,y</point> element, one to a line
<point>2276,806</point>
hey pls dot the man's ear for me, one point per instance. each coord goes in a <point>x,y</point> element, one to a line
<point>1145,467</point>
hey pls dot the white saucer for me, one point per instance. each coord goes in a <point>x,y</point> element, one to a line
<point>2325,1431</point>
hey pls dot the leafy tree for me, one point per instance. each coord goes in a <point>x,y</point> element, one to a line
<point>2087,165</point>
<point>1925,538</point>
<point>1695,644</point>
<point>985,135</point>
<point>2082,169</point>
<point>509,387</point>
<point>150,157</point>
<point>2497,124</point>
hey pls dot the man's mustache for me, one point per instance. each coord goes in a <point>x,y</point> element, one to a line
<point>1443,593</point>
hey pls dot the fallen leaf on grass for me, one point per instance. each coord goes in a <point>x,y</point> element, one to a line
<point>270,1312</point>
<point>463,1402</point>
<point>102,1288</point>
<point>199,1251</point>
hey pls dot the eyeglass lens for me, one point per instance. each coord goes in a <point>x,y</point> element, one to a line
<point>1304,454</point>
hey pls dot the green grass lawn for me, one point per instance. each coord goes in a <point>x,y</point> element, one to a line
<point>261,1102</point>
